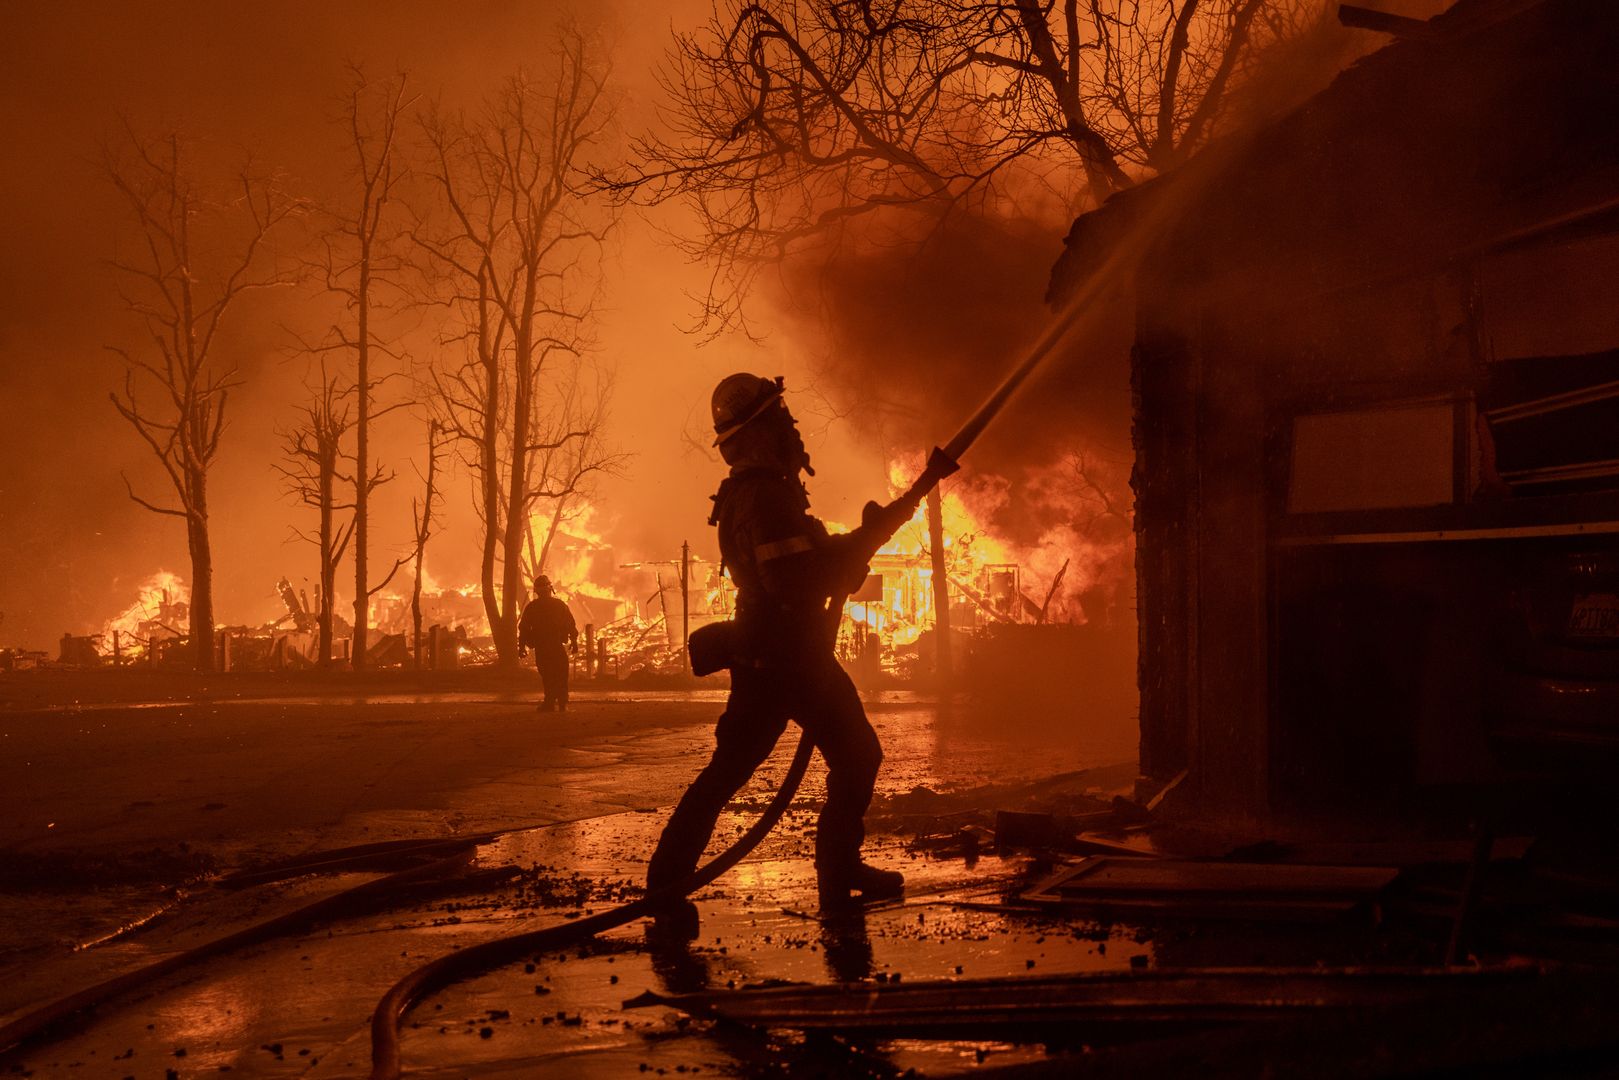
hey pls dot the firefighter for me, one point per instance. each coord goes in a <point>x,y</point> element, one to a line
<point>548,628</point>
<point>791,577</point>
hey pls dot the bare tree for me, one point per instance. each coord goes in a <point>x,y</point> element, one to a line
<point>515,245</point>
<point>788,120</point>
<point>422,518</point>
<point>313,449</point>
<point>1101,491</point>
<point>358,262</point>
<point>566,468</point>
<point>195,254</point>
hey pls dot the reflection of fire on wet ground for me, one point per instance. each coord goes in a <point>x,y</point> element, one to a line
<point>623,1005</point>
<point>313,990</point>
<point>307,999</point>
<point>301,1001</point>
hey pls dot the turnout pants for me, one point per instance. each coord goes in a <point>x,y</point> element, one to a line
<point>552,660</point>
<point>824,703</point>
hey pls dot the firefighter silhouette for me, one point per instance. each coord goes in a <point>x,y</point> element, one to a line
<point>790,577</point>
<point>547,627</point>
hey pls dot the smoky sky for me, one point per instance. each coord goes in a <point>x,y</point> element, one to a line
<point>910,338</point>
<point>898,343</point>
<point>263,81</point>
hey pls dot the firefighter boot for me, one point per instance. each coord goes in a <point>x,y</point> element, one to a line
<point>868,881</point>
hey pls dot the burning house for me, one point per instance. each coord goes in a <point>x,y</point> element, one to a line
<point>150,626</point>
<point>1377,458</point>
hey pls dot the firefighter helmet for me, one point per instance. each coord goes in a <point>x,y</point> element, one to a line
<point>742,398</point>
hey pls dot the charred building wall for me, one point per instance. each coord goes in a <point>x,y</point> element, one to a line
<point>1376,385</point>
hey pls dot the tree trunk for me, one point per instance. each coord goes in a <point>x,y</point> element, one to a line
<point>424,531</point>
<point>942,660</point>
<point>362,475</point>
<point>202,576</point>
<point>489,454</point>
<point>491,506</point>
<point>416,615</point>
<point>512,590</point>
<point>328,566</point>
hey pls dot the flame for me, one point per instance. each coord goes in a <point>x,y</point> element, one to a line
<point>718,591</point>
<point>1083,541</point>
<point>454,608</point>
<point>576,550</point>
<point>905,563</point>
<point>576,562</point>
<point>160,611</point>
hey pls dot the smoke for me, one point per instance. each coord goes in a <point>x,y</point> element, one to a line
<point>908,340</point>
<point>913,322</point>
<point>901,338</point>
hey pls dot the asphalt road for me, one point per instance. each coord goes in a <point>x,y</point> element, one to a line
<point>106,806</point>
<point>247,780</point>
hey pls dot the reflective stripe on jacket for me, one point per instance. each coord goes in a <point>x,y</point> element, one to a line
<point>785,566</point>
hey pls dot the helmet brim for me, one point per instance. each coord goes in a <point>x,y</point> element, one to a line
<point>759,410</point>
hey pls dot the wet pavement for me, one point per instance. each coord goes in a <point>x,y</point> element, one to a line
<point>299,1004</point>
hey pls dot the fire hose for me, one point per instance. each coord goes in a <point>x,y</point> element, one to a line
<point>942,461</point>
<point>385,1020</point>
<point>468,962</point>
<point>404,994</point>
<point>360,898</point>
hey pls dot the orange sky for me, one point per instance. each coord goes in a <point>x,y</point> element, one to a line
<point>265,77</point>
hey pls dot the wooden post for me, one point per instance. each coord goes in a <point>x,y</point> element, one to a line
<point>590,649</point>
<point>941,590</point>
<point>685,603</point>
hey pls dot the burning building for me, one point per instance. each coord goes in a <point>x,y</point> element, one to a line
<point>1015,610</point>
<point>159,617</point>
<point>1377,462</point>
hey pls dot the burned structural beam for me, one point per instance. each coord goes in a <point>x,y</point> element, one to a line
<point>1382,22</point>
<point>1208,889</point>
<point>1107,1006</point>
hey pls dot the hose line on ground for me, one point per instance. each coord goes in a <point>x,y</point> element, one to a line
<point>408,991</point>
<point>363,897</point>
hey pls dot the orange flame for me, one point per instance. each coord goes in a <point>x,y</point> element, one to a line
<point>160,611</point>
<point>1085,542</point>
